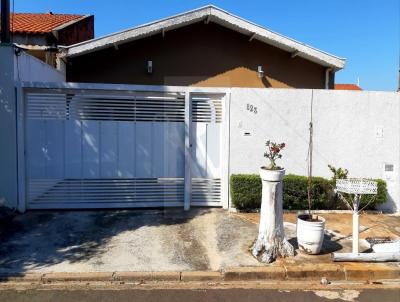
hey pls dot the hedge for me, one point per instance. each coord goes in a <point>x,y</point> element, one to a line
<point>246,193</point>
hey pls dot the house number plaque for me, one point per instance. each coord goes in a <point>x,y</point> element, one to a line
<point>252,108</point>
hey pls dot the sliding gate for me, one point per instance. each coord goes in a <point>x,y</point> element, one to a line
<point>115,148</point>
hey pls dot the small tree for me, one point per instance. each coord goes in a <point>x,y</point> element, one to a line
<point>338,173</point>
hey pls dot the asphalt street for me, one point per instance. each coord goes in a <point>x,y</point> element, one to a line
<point>209,295</point>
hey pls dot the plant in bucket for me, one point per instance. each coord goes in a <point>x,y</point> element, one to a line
<point>271,241</point>
<point>310,229</point>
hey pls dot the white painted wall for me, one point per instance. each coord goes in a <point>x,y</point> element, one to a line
<point>348,128</point>
<point>27,68</point>
<point>15,68</point>
<point>8,133</point>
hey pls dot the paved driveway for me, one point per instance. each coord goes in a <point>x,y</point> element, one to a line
<point>126,240</point>
<point>140,240</point>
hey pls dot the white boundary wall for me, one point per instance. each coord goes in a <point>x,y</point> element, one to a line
<point>27,68</point>
<point>357,130</point>
<point>8,131</point>
<point>13,69</point>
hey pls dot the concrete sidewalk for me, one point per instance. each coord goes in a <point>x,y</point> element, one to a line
<point>338,236</point>
<point>202,244</point>
<point>371,224</point>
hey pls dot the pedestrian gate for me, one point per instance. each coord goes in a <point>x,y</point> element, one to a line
<point>113,148</point>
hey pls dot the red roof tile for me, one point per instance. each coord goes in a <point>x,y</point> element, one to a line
<point>38,23</point>
<point>347,87</point>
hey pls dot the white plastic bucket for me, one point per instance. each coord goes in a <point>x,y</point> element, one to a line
<point>310,234</point>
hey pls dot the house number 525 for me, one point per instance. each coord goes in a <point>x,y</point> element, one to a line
<point>252,108</point>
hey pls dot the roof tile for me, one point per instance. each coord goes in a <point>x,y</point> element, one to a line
<point>38,23</point>
<point>347,87</point>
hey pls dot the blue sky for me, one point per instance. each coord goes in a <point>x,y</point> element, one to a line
<point>365,32</point>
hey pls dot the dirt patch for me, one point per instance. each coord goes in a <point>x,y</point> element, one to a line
<point>188,249</point>
<point>371,225</point>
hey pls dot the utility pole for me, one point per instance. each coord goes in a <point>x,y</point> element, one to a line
<point>5,22</point>
<point>398,77</point>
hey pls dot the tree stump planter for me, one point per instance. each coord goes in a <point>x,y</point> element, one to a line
<point>271,242</point>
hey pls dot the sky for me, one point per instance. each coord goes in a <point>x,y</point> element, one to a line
<point>365,32</point>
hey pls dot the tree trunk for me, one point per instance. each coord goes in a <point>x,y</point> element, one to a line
<point>271,242</point>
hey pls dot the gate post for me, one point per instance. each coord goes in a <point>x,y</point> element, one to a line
<point>21,148</point>
<point>188,151</point>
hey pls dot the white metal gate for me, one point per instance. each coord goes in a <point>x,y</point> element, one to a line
<point>122,147</point>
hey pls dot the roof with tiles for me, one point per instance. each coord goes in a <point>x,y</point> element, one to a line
<point>39,23</point>
<point>347,87</point>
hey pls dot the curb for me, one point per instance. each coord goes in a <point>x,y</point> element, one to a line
<point>315,272</point>
<point>68,277</point>
<point>368,271</point>
<point>18,277</point>
<point>201,276</point>
<point>305,272</point>
<point>146,276</point>
<point>255,273</point>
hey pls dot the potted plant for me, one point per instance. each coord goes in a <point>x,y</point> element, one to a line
<point>271,242</point>
<point>272,172</point>
<point>310,233</point>
<point>310,228</point>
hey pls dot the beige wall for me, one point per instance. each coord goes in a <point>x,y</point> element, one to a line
<point>200,55</point>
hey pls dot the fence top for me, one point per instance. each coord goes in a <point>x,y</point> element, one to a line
<point>123,87</point>
<point>357,186</point>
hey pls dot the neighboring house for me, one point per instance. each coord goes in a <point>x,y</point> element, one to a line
<point>41,34</point>
<point>347,87</point>
<point>203,47</point>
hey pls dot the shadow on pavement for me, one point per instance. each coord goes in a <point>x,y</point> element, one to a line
<point>43,238</point>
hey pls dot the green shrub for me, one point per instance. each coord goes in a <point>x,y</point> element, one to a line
<point>246,193</point>
<point>295,192</point>
<point>379,198</point>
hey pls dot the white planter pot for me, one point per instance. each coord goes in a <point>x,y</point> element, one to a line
<point>310,234</point>
<point>272,175</point>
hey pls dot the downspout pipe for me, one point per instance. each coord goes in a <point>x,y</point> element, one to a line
<point>327,77</point>
<point>5,22</point>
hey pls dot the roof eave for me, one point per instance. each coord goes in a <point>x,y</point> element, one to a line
<point>66,24</point>
<point>215,15</point>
